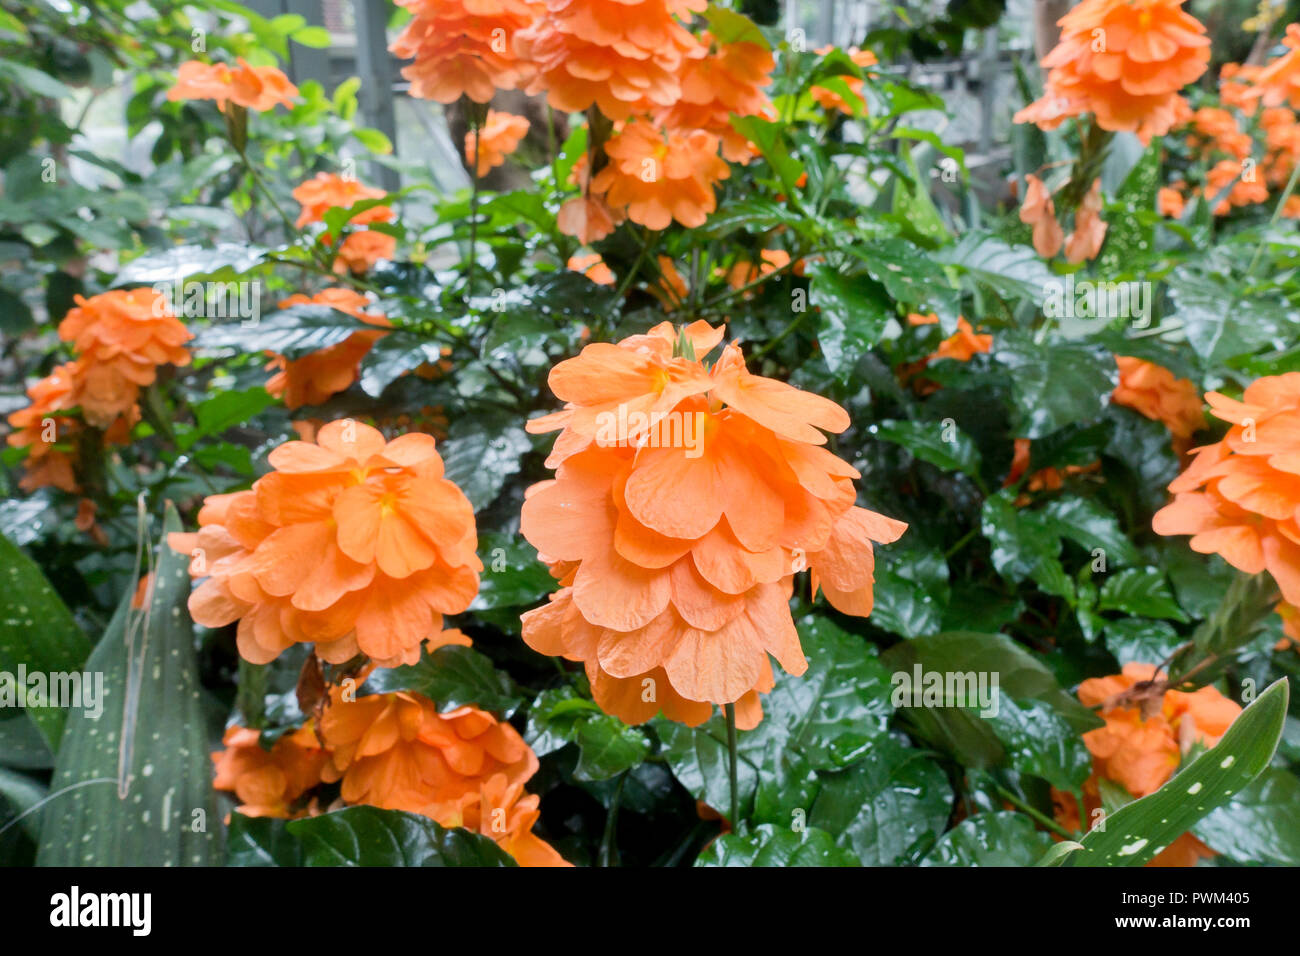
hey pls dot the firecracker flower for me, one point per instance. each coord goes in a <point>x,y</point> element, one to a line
<point>314,377</point>
<point>1039,211</point>
<point>269,783</point>
<point>1278,82</point>
<point>1240,497</point>
<point>686,497</point>
<point>1089,228</point>
<point>461,768</point>
<point>1124,62</point>
<point>1148,731</point>
<point>258,88</point>
<point>464,47</point>
<point>719,81</point>
<point>1153,391</point>
<point>121,338</point>
<point>40,427</point>
<point>623,56</point>
<point>326,191</point>
<point>498,137</point>
<point>352,543</point>
<point>359,251</point>
<point>656,176</point>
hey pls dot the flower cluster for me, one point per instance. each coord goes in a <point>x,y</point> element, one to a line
<point>258,88</point>
<point>359,250</point>
<point>1147,732</point>
<point>464,47</point>
<point>352,543</point>
<point>685,498</point>
<point>314,377</point>
<point>395,751</point>
<point>1124,63</point>
<point>1240,497</point>
<point>1153,391</point>
<point>500,135</point>
<point>121,338</point>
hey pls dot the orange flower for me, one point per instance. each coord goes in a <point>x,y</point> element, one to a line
<point>675,544</point>
<point>963,344</point>
<point>39,426</point>
<point>1153,391</point>
<point>326,191</point>
<point>269,783</point>
<point>312,379</point>
<point>122,336</point>
<point>1244,192</point>
<point>593,267</point>
<point>360,251</point>
<point>1240,497</point>
<point>1278,82</point>
<point>499,137</point>
<point>353,543</point>
<point>256,88</point>
<point>718,82</point>
<point>1282,139</point>
<point>1124,62</point>
<point>658,176</point>
<point>462,768</point>
<point>1236,83</point>
<point>1145,736</point>
<point>586,219</point>
<point>1089,229</point>
<point>1040,212</point>
<point>464,47</point>
<point>1170,202</point>
<point>1217,129</point>
<point>1290,615</point>
<point>671,288</point>
<point>831,100</point>
<point>769,260</point>
<point>624,56</point>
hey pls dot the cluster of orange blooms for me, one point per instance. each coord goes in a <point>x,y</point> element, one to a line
<point>359,250</point>
<point>1039,211</point>
<point>314,377</point>
<point>1147,733</point>
<point>395,751</point>
<point>676,554</point>
<point>351,543</point>
<point>1124,63</point>
<point>258,88</point>
<point>1240,497</point>
<point>1157,393</point>
<point>121,338</point>
<point>671,94</point>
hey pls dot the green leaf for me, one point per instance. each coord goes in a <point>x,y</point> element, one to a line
<point>1038,741</point>
<point>226,410</point>
<point>512,575</point>
<point>261,841</point>
<point>19,794</point>
<point>769,845</point>
<point>887,807</point>
<point>480,453</point>
<point>318,38</point>
<point>1261,824</point>
<point>1141,591</point>
<point>770,138</point>
<point>368,836</point>
<point>153,726</point>
<point>179,263</point>
<point>392,357</point>
<point>22,745</point>
<point>1054,384</point>
<point>1003,838</point>
<point>940,443</point>
<point>606,745</point>
<point>911,593</point>
<point>452,677</point>
<point>1222,320</point>
<point>1012,272</point>
<point>854,314</point>
<point>911,277</point>
<point>38,634</point>
<point>1023,544</point>
<point>728,27</point>
<point>292,332</point>
<point>1138,831</point>
<point>34,81</point>
<point>831,716</point>
<point>1089,525</point>
<point>1135,639</point>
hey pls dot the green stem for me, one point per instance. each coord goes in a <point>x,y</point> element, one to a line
<point>1041,818</point>
<point>1277,214</point>
<point>473,219</point>
<point>608,845</point>
<point>730,711</point>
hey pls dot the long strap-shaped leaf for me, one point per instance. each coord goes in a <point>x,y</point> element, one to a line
<point>1139,830</point>
<point>134,787</point>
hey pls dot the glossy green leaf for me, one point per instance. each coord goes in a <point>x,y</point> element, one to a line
<point>368,836</point>
<point>769,845</point>
<point>1003,838</point>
